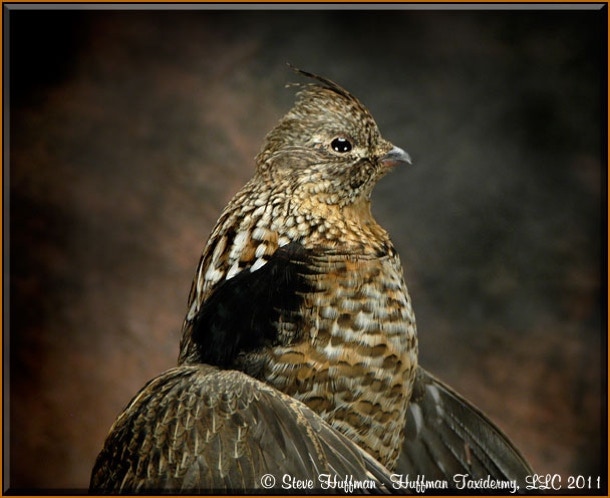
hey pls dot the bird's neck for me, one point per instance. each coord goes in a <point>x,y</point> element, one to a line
<point>317,223</point>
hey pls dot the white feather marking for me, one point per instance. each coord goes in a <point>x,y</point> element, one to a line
<point>259,233</point>
<point>293,233</point>
<point>260,250</point>
<point>239,243</point>
<point>364,321</point>
<point>327,311</point>
<point>433,391</point>
<point>332,352</point>
<point>196,443</point>
<point>372,292</point>
<point>213,275</point>
<point>259,211</point>
<point>259,263</point>
<point>193,310</point>
<point>418,418</point>
<point>199,279</point>
<point>234,270</point>
<point>260,201</point>
<point>351,305</point>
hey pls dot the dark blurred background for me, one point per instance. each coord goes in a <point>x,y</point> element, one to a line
<point>130,131</point>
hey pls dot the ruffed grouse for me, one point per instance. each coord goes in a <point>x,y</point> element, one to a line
<point>299,348</point>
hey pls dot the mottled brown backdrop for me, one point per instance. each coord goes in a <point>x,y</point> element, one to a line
<point>130,130</point>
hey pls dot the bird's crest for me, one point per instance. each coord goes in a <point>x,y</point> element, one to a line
<point>326,83</point>
<point>322,82</point>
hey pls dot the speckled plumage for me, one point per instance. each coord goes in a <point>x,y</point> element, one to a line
<point>191,430</point>
<point>299,348</point>
<point>350,351</point>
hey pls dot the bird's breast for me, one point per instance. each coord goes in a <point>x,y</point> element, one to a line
<point>356,360</point>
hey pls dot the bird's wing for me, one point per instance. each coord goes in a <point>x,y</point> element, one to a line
<point>199,429</point>
<point>447,436</point>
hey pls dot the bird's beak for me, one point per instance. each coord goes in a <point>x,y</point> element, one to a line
<point>395,157</point>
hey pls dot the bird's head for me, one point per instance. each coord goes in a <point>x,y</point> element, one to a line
<point>327,148</point>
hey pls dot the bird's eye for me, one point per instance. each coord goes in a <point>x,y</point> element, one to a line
<point>341,145</point>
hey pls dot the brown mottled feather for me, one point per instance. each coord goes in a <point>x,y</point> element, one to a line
<point>198,428</point>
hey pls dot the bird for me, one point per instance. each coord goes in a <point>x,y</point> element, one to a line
<point>299,352</point>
